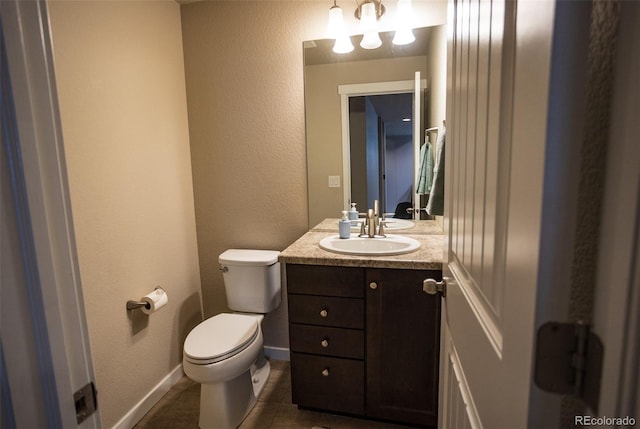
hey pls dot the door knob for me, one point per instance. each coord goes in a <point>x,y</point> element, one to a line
<point>324,343</point>
<point>324,312</point>
<point>432,287</point>
<point>373,285</point>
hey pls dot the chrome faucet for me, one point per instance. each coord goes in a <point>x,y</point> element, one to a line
<point>372,222</point>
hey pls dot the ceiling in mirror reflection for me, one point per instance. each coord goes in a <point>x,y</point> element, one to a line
<point>394,109</point>
<point>321,51</point>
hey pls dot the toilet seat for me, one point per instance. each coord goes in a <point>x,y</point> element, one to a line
<point>220,337</point>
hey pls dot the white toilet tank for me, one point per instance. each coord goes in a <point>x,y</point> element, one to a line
<point>251,279</point>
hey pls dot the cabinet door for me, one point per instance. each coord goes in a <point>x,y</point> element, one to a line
<point>402,347</point>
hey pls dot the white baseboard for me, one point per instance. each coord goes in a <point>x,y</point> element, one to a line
<point>277,353</point>
<point>141,408</point>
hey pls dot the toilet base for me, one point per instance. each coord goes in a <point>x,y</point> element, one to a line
<point>225,405</point>
<point>260,374</point>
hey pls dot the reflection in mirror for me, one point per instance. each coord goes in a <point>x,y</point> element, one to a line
<point>388,170</point>
<point>381,150</point>
<point>378,129</point>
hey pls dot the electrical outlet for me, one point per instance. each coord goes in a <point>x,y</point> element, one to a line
<point>334,181</point>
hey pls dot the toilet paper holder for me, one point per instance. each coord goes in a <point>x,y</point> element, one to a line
<point>132,305</point>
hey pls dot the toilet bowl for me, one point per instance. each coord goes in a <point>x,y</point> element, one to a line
<point>231,369</point>
<point>225,353</point>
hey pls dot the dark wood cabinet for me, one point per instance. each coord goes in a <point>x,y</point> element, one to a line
<point>364,341</point>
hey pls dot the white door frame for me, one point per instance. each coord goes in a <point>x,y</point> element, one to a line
<point>45,196</point>
<point>363,89</point>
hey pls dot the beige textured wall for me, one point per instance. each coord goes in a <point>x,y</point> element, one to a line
<point>438,83</point>
<point>437,77</point>
<point>243,63</point>
<point>120,75</point>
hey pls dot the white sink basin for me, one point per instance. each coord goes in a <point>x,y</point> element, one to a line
<point>391,224</point>
<point>379,246</point>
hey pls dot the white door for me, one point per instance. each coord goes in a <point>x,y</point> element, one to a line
<point>499,56</point>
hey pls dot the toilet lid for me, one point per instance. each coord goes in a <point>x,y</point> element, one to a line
<point>249,257</point>
<point>220,336</point>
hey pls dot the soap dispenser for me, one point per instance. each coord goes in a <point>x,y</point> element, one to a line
<point>353,213</point>
<point>344,225</point>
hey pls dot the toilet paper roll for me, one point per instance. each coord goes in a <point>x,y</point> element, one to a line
<point>154,300</point>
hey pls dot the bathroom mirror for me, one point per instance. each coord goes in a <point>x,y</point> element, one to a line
<point>381,79</point>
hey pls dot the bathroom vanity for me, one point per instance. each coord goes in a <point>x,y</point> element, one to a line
<point>364,337</point>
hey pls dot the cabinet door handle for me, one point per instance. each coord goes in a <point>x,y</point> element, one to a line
<point>324,312</point>
<point>324,343</point>
<point>325,372</point>
<point>373,285</point>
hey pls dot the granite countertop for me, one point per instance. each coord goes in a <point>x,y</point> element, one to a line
<point>429,256</point>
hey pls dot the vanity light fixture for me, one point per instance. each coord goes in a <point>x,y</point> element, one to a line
<point>369,12</point>
<point>336,30</point>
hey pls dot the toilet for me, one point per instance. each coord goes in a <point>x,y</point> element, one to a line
<point>224,353</point>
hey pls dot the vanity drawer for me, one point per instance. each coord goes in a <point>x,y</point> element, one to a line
<point>327,383</point>
<point>326,311</point>
<point>321,280</point>
<point>322,340</point>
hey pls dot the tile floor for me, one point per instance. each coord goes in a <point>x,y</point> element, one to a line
<point>179,408</point>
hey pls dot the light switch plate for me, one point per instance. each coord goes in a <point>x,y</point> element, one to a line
<point>334,181</point>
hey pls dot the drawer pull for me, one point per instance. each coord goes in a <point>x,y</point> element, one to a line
<point>325,372</point>
<point>324,312</point>
<point>324,343</point>
<point>373,285</point>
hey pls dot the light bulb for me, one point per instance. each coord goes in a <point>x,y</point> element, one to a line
<point>371,40</point>
<point>343,45</point>
<point>368,21</point>
<point>368,15</point>
<point>336,23</point>
<point>404,17</point>
<point>403,37</point>
<point>336,30</point>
